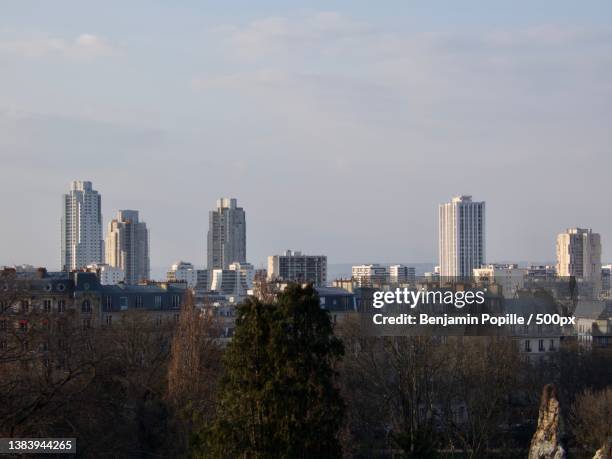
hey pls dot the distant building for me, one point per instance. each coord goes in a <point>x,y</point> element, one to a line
<point>226,242</point>
<point>594,323</point>
<point>294,266</point>
<point>432,276</point>
<point>369,275</point>
<point>461,236</point>
<point>339,302</point>
<point>541,273</point>
<point>183,271</point>
<point>400,274</point>
<point>79,296</point>
<point>511,278</point>
<point>606,281</point>
<point>237,280</point>
<point>202,279</point>
<point>81,227</point>
<point>579,255</point>
<point>127,246</point>
<point>346,284</point>
<point>536,342</point>
<point>108,275</point>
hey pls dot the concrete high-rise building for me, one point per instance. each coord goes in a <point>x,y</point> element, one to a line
<point>294,266</point>
<point>81,227</point>
<point>127,246</point>
<point>579,255</point>
<point>461,237</point>
<point>226,242</point>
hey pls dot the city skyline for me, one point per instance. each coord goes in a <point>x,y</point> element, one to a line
<point>339,131</point>
<point>228,211</point>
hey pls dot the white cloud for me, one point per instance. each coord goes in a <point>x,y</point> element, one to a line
<point>83,46</point>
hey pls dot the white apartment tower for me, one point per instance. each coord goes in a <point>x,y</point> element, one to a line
<point>579,255</point>
<point>461,236</point>
<point>127,246</point>
<point>226,235</point>
<point>81,227</point>
<point>294,266</point>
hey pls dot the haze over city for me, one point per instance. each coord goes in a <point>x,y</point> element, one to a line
<point>339,130</point>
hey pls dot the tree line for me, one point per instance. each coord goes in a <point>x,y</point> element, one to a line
<point>290,384</point>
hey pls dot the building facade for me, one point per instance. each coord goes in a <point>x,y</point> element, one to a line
<point>237,280</point>
<point>511,278</point>
<point>183,271</point>
<point>579,255</point>
<point>226,241</point>
<point>127,246</point>
<point>295,266</point>
<point>81,243</point>
<point>461,243</point>
<point>34,304</point>
<point>108,275</point>
<point>401,274</point>
<point>606,281</point>
<point>369,275</point>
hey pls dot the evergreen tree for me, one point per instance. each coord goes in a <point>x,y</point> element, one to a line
<point>278,397</point>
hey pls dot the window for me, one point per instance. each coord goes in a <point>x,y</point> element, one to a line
<point>86,324</point>
<point>541,345</point>
<point>3,325</point>
<point>86,306</point>
<point>551,346</point>
<point>109,320</point>
<point>527,345</point>
<point>158,301</point>
<point>139,301</point>
<point>3,345</point>
<point>123,303</point>
<point>176,301</point>
<point>61,305</point>
<point>108,303</point>
<point>46,306</point>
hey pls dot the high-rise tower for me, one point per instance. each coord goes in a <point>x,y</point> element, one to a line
<point>81,227</point>
<point>226,235</point>
<point>461,236</point>
<point>127,246</point>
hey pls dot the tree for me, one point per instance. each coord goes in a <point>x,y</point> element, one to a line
<point>279,397</point>
<point>590,418</point>
<point>193,369</point>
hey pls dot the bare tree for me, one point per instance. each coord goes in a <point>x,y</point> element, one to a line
<point>194,367</point>
<point>591,418</point>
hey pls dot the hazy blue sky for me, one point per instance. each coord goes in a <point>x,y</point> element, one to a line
<point>339,126</point>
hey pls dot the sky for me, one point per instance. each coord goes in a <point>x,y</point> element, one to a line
<point>339,126</point>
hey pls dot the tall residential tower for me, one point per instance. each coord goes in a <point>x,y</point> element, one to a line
<point>579,255</point>
<point>461,236</point>
<point>81,227</point>
<point>127,246</point>
<point>226,235</point>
